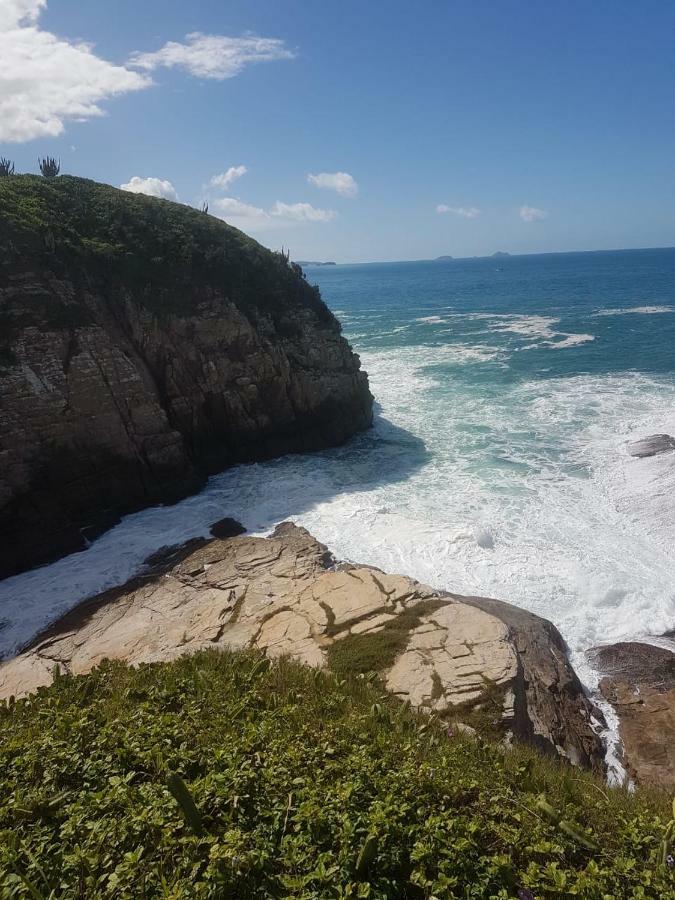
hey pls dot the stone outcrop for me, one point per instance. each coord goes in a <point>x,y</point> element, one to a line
<point>286,595</point>
<point>143,346</point>
<point>639,682</point>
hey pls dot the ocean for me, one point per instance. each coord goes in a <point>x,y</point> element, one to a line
<point>507,390</point>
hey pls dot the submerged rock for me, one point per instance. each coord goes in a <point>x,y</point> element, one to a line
<point>639,682</point>
<point>652,445</point>
<point>285,594</point>
<point>143,346</point>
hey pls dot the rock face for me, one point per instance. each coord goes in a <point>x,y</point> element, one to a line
<point>143,346</point>
<point>639,682</point>
<point>652,445</point>
<point>285,594</point>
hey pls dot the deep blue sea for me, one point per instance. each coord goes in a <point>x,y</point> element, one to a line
<point>507,390</point>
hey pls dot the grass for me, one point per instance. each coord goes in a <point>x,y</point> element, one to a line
<point>225,775</point>
<point>374,651</point>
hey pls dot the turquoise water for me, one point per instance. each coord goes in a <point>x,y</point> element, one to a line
<point>506,393</point>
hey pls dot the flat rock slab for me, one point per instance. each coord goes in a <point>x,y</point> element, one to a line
<point>286,595</point>
<point>639,682</point>
<point>652,445</point>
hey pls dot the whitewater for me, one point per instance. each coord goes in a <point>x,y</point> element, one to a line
<point>507,393</point>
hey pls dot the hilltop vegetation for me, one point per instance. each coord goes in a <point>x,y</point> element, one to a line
<point>294,783</point>
<point>162,249</point>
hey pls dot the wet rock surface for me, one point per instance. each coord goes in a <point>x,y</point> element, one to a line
<point>639,682</point>
<point>286,595</point>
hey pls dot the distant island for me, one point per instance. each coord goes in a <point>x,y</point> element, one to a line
<point>500,254</point>
<point>304,262</point>
<point>443,258</point>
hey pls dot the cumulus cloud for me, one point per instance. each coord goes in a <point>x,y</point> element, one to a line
<point>153,187</point>
<point>301,212</point>
<point>46,81</point>
<point>255,218</point>
<point>225,179</point>
<point>213,55</point>
<point>532,214</point>
<point>342,182</point>
<point>465,212</point>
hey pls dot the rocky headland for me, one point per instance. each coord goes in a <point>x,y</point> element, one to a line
<point>143,346</point>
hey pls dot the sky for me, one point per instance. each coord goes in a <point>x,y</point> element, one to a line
<point>358,131</point>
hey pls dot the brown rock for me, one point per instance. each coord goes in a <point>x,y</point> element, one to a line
<point>284,594</point>
<point>125,380</point>
<point>639,682</point>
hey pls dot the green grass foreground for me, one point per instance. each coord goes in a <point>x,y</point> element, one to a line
<point>222,775</point>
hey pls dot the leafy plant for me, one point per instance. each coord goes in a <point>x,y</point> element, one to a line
<point>297,783</point>
<point>6,167</point>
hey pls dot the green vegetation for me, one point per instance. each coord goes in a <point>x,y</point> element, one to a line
<point>374,651</point>
<point>222,775</point>
<point>6,167</point>
<point>164,256</point>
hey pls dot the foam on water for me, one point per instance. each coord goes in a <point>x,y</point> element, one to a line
<point>582,536</point>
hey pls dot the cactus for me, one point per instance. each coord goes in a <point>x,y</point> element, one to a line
<point>183,798</point>
<point>6,167</point>
<point>366,854</point>
<point>49,167</point>
<point>205,207</point>
<point>665,857</point>
<point>545,808</point>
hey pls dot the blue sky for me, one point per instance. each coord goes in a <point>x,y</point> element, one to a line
<point>534,126</point>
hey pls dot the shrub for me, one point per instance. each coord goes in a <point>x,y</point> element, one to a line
<point>225,775</point>
<point>6,167</point>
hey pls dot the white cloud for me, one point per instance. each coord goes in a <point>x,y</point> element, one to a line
<point>46,81</point>
<point>212,55</point>
<point>225,179</point>
<point>12,12</point>
<point>465,212</point>
<point>532,214</point>
<point>255,218</point>
<point>301,212</point>
<point>231,207</point>
<point>153,187</point>
<point>342,182</point>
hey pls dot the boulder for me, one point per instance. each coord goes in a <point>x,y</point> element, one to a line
<point>639,682</point>
<point>285,594</point>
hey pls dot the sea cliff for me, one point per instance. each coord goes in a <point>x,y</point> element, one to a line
<point>143,346</point>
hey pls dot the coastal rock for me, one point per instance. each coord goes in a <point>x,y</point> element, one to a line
<point>286,595</point>
<point>639,682</point>
<point>652,445</point>
<point>143,346</point>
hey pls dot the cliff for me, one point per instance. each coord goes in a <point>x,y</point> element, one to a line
<point>477,662</point>
<point>143,346</point>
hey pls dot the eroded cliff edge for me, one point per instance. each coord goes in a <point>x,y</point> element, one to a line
<point>143,346</point>
<point>469,660</point>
